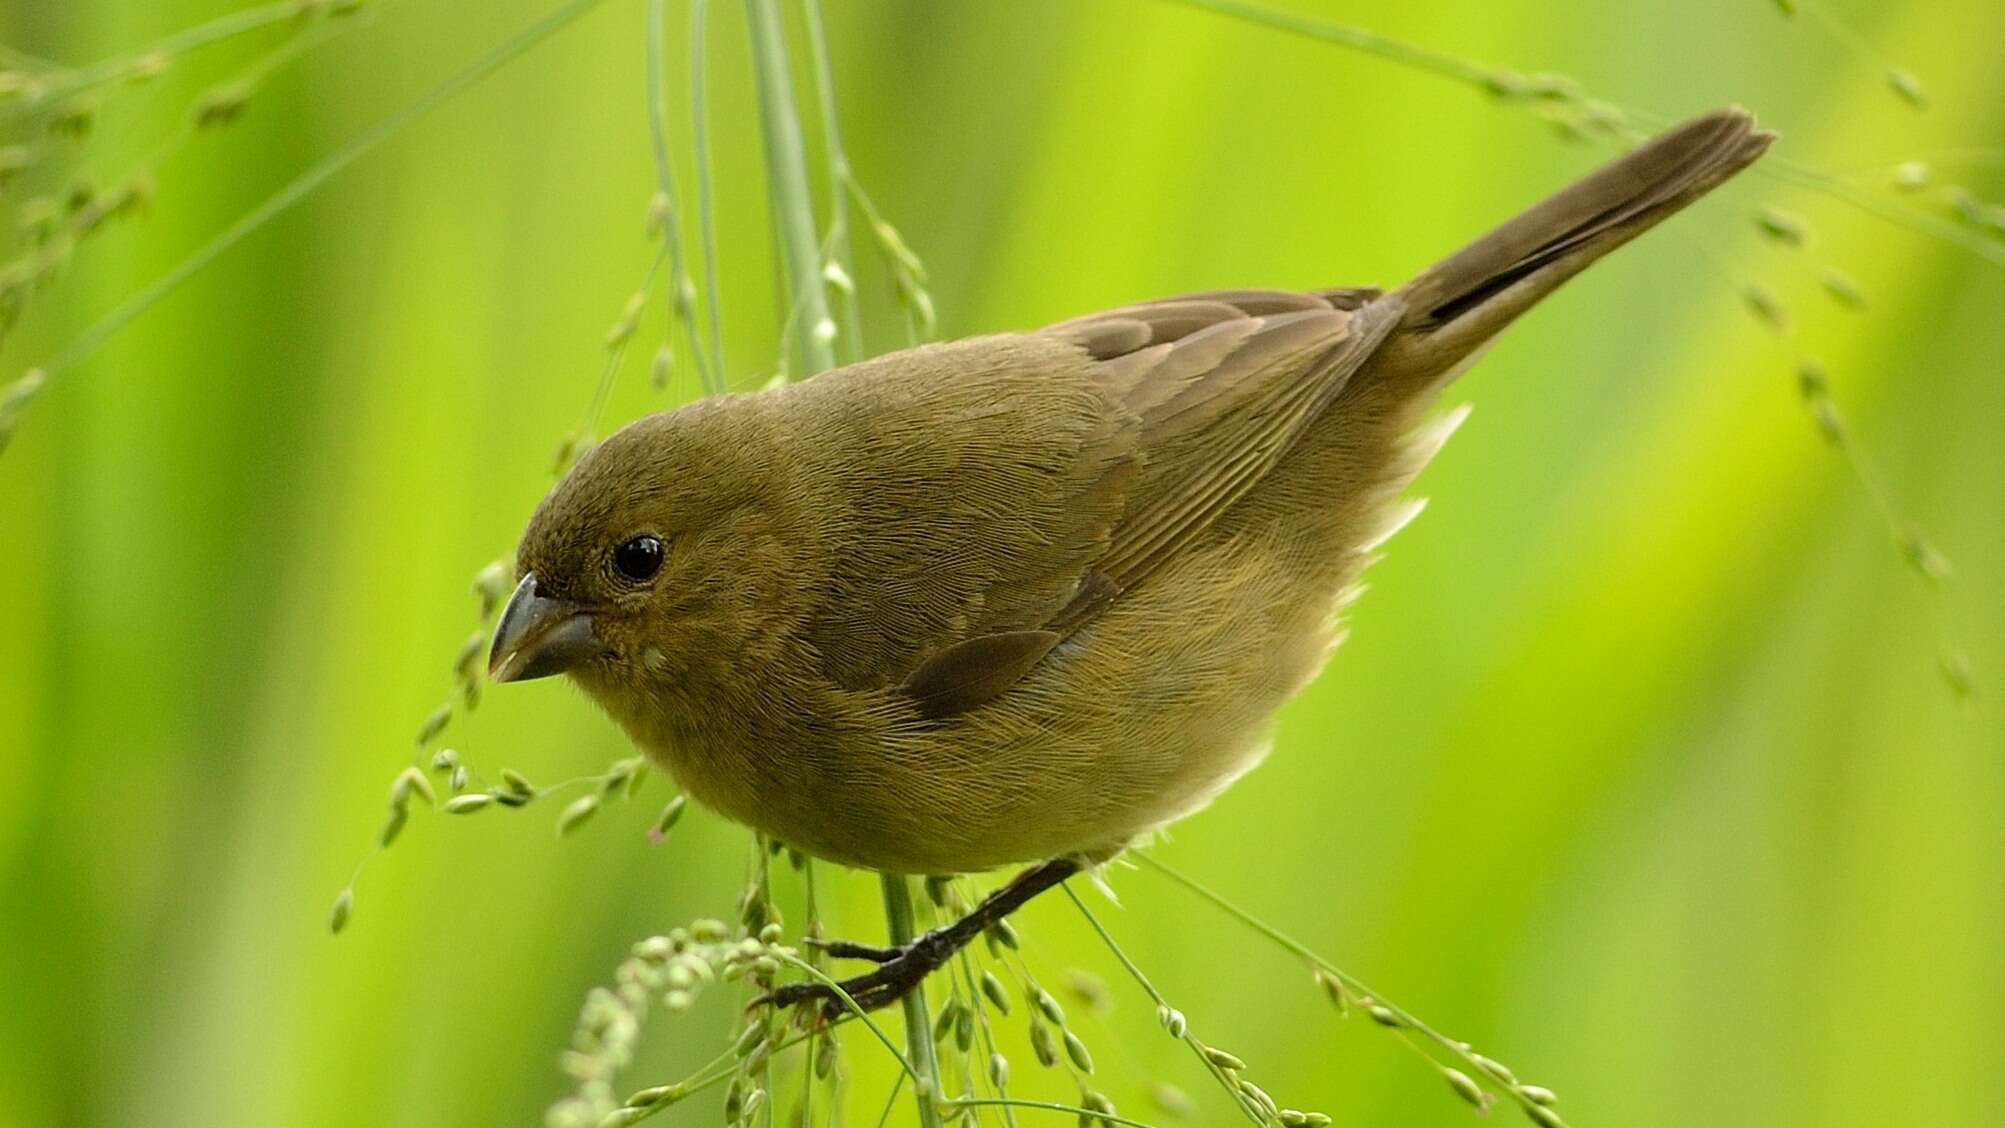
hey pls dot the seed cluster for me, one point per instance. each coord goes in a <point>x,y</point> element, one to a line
<point>49,119</point>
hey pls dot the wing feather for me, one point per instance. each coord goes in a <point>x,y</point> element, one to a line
<point>1046,473</point>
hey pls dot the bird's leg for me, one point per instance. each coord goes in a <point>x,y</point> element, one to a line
<point>901,969</point>
<point>851,950</point>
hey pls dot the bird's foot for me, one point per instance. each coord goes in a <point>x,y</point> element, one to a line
<point>851,950</point>
<point>899,971</point>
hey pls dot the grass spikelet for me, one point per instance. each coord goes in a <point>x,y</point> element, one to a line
<point>1843,289</point>
<point>1765,308</point>
<point>1785,228</point>
<point>1922,555</point>
<point>1907,87</point>
<point>1955,668</point>
<point>1912,176</point>
<point>344,907</point>
<point>577,814</point>
<point>1172,1100</point>
<point>223,105</point>
<point>15,400</point>
<point>434,723</point>
<point>1465,1087</point>
<point>467,804</point>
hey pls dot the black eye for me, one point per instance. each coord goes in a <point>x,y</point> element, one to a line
<point>638,559</point>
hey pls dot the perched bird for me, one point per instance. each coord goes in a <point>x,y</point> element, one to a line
<point>1027,597</point>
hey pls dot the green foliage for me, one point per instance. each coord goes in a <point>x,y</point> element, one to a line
<point>1638,769</point>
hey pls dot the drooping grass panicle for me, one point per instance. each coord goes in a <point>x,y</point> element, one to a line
<point>839,266</point>
<point>920,1060</point>
<point>787,178</point>
<point>1223,1068</point>
<point>1900,81</point>
<point>306,183</point>
<point>699,125</point>
<point>681,288</point>
<point>1967,223</point>
<point>69,203</point>
<point>1352,994</point>
<point>39,85</point>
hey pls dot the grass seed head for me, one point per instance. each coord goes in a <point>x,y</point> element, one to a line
<point>1538,1094</point>
<point>434,724</point>
<point>344,905</point>
<point>411,782</point>
<point>1765,308</point>
<point>1843,289</point>
<point>1907,87</point>
<point>577,814</point>
<point>993,989</point>
<point>665,822</point>
<point>1089,989</point>
<point>1782,227</point>
<point>222,106</point>
<point>1047,1005</point>
<point>1172,1100</point>
<point>661,368</point>
<point>1076,1050</point>
<point>1043,1044</point>
<point>1465,1087</point>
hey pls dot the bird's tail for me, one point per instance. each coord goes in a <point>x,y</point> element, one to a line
<point>1460,303</point>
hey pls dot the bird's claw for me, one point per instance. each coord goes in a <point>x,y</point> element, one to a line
<point>899,970</point>
<point>851,950</point>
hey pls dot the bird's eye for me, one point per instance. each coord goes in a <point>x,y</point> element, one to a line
<point>638,559</point>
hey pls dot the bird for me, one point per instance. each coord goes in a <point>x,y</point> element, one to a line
<point>1025,599</point>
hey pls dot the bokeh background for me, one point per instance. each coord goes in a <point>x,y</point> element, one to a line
<point>1638,770</point>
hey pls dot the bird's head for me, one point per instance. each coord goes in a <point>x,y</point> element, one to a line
<point>661,553</point>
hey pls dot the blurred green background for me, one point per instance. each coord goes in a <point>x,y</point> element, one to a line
<point>1637,771</point>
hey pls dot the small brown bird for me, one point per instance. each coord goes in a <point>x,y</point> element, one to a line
<point>1028,597</point>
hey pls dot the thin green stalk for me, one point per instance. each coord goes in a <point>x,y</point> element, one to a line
<point>1053,1106</point>
<point>891,1101</point>
<point>838,176</point>
<point>616,356</point>
<point>181,42</point>
<point>699,117</point>
<point>823,978</point>
<point>811,928</point>
<point>680,294</point>
<point>918,1025</point>
<point>718,1070</point>
<point>1355,38</point>
<point>1497,80</point>
<point>1350,982</point>
<point>1891,211</point>
<point>786,167</point>
<point>987,1030</point>
<point>1157,997</point>
<point>307,182</point>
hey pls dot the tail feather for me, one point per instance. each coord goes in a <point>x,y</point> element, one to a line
<point>1461,302</point>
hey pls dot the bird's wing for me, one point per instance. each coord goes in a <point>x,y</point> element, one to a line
<point>1221,385</point>
<point>1041,475</point>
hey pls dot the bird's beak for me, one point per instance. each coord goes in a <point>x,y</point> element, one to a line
<point>539,636</point>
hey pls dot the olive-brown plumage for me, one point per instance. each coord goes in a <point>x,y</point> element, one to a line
<point>1032,595</point>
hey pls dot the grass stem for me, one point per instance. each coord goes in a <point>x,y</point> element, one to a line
<point>699,118</point>
<point>918,1025</point>
<point>787,172</point>
<point>307,182</point>
<point>839,176</point>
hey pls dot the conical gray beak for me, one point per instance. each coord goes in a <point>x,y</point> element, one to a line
<point>539,636</point>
